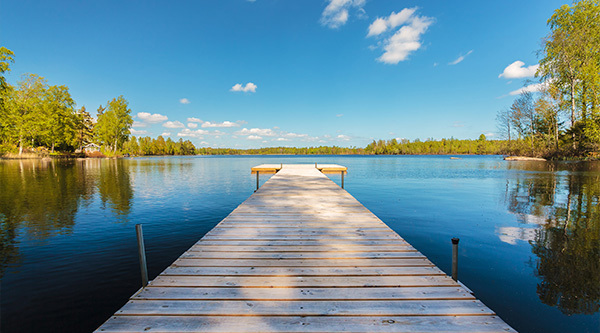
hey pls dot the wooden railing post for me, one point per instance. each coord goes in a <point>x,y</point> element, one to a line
<point>455,258</point>
<point>142,254</point>
<point>257,179</point>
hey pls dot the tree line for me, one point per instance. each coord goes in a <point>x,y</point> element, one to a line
<point>321,150</point>
<point>144,146</point>
<point>563,119</point>
<point>438,147</point>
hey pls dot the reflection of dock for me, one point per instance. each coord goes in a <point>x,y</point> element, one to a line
<point>302,255</point>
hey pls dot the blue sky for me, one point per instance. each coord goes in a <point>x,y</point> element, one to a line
<point>282,72</point>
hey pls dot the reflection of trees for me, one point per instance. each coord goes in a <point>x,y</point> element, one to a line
<point>568,243</point>
<point>9,253</point>
<point>41,199</point>
<point>114,186</point>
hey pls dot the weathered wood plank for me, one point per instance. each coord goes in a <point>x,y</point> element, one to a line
<point>403,247</point>
<point>296,255</point>
<point>305,308</point>
<point>303,262</point>
<point>316,243</point>
<point>323,238</point>
<point>322,294</point>
<point>299,230</point>
<point>302,281</point>
<point>328,225</point>
<point>303,271</point>
<point>305,324</point>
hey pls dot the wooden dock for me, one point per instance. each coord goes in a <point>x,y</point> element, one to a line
<point>302,255</point>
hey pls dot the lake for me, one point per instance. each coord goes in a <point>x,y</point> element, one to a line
<point>529,231</point>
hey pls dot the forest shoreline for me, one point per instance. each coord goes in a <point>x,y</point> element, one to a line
<point>506,157</point>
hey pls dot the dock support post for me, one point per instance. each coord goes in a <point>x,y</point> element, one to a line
<point>342,179</point>
<point>257,175</point>
<point>455,258</point>
<point>316,165</point>
<point>142,254</point>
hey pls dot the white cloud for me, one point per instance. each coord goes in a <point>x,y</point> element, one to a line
<point>382,24</point>
<point>186,132</point>
<point>403,41</point>
<point>137,132</point>
<point>194,120</point>
<point>336,13</point>
<point>139,124</point>
<point>256,131</point>
<point>275,134</point>
<point>192,125</point>
<point>339,115</point>
<point>166,133</point>
<point>516,70</point>
<point>173,124</point>
<point>536,87</point>
<point>295,135</point>
<point>184,101</point>
<point>343,137</point>
<point>151,118</point>
<point>460,58</point>
<point>223,124</point>
<point>249,87</point>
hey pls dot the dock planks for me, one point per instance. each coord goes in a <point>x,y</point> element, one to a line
<point>302,255</point>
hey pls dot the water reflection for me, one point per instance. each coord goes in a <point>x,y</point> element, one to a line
<point>114,187</point>
<point>41,198</point>
<point>566,206</point>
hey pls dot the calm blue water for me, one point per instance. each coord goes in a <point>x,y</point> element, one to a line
<point>529,232</point>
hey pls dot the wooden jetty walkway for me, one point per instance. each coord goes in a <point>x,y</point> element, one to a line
<point>302,255</point>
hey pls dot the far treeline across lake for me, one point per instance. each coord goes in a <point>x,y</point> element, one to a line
<point>556,118</point>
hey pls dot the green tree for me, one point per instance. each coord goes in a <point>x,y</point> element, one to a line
<point>24,115</point>
<point>131,146</point>
<point>571,62</point>
<point>61,119</point>
<point>114,122</point>
<point>523,117</point>
<point>504,123</point>
<point>84,127</point>
<point>6,57</point>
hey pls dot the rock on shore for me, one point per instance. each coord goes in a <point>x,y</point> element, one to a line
<point>523,158</point>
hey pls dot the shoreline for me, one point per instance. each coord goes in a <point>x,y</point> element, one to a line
<point>510,158</point>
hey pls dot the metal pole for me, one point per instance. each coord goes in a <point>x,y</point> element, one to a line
<point>257,174</point>
<point>342,179</point>
<point>142,254</point>
<point>455,259</point>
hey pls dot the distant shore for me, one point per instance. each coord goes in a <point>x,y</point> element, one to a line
<point>46,156</point>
